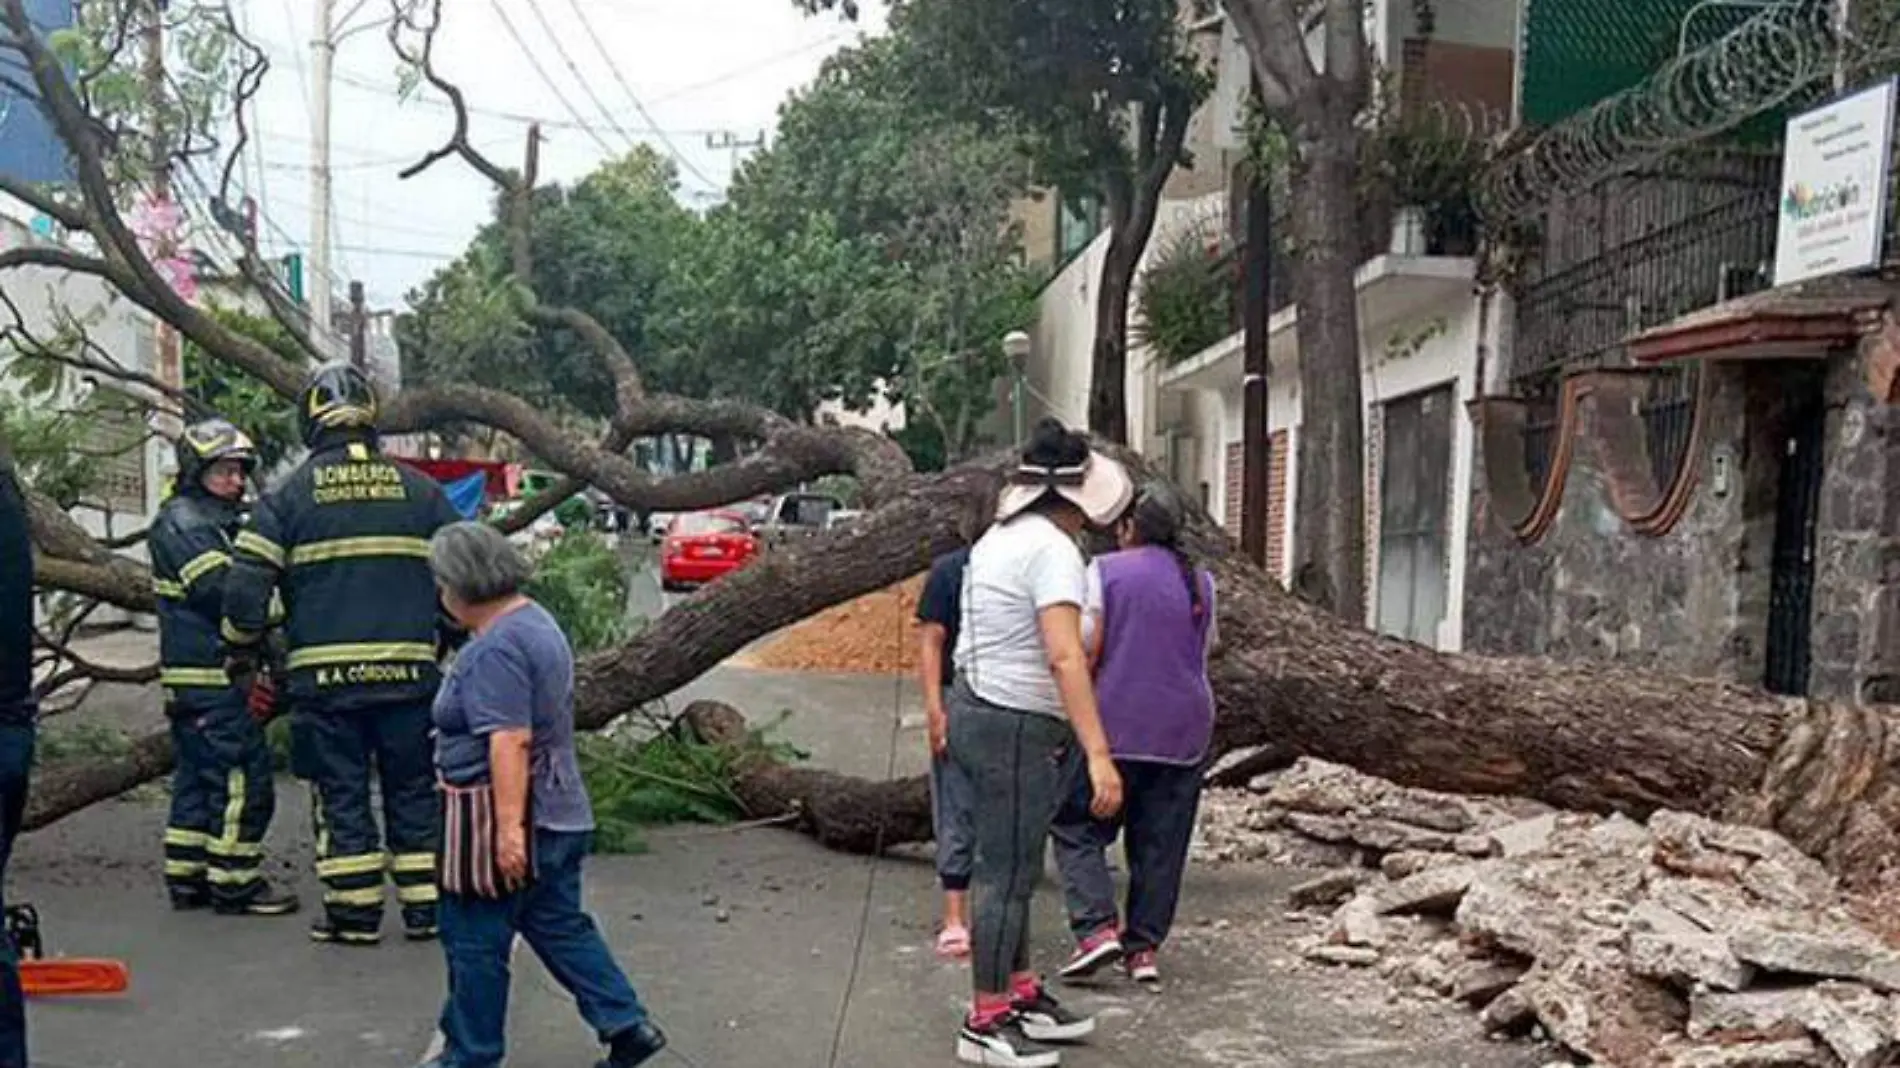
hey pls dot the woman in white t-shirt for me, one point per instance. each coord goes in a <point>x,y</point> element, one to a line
<point>1022,704</point>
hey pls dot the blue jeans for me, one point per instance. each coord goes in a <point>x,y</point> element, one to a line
<point>952,803</point>
<point>16,760</point>
<point>478,933</point>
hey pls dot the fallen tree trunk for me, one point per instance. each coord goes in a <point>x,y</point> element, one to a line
<point>844,813</point>
<point>1586,736</point>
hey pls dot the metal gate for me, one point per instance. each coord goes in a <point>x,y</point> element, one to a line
<point>1414,536</point>
<point>1791,590</point>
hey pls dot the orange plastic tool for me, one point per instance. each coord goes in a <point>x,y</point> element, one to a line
<point>72,976</point>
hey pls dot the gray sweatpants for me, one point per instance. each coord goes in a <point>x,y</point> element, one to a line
<point>1019,765</point>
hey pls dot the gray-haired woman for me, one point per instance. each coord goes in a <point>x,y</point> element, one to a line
<point>516,819</point>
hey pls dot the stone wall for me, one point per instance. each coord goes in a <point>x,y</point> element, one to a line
<point>1856,644</point>
<point>1592,589</point>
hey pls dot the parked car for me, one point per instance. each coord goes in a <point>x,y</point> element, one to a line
<point>703,546</point>
<point>797,515</point>
<point>842,517</point>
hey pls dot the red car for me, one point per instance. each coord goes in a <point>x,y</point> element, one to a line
<point>702,546</point>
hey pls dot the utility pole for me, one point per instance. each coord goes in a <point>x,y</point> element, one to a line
<point>1255,304</point>
<point>359,322</point>
<point>732,142</point>
<point>322,53</point>
<point>170,370</point>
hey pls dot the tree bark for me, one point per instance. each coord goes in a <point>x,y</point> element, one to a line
<point>1329,524</point>
<point>1108,365</point>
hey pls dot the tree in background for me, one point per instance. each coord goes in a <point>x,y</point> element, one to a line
<point>1316,110</point>
<point>1096,95</point>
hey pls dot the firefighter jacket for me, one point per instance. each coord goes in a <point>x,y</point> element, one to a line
<point>191,562</point>
<point>345,540</point>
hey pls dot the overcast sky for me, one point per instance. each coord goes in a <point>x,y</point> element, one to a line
<point>701,67</point>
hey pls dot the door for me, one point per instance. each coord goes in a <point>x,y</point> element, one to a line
<point>1797,506</point>
<point>1414,489</point>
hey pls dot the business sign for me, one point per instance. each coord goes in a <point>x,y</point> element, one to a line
<point>1834,186</point>
<point>29,149</point>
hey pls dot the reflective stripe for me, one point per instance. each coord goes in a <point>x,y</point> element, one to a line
<point>337,867</point>
<point>412,862</point>
<point>184,869</point>
<point>318,552</point>
<point>256,544</point>
<point>227,844</point>
<point>235,850</point>
<point>358,451</point>
<point>275,613</point>
<point>175,836</point>
<point>212,677</point>
<point>168,588</point>
<point>232,876</point>
<point>362,653</point>
<point>203,564</point>
<point>371,897</point>
<point>322,825</point>
<point>234,633</point>
<point>425,894</point>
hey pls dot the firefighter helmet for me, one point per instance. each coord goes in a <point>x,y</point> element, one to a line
<point>339,396</point>
<point>203,444</point>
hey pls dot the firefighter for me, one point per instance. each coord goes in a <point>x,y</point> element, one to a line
<point>345,540</point>
<point>222,794</point>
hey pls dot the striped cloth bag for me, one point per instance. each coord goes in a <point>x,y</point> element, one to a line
<point>467,864</point>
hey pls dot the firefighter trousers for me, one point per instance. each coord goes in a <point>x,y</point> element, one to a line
<point>340,753</point>
<point>222,803</point>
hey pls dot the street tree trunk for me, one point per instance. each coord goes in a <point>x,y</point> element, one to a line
<point>1329,525</point>
<point>1108,368</point>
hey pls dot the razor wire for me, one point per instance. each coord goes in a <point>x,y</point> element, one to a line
<point>1769,59</point>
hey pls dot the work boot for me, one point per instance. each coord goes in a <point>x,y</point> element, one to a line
<point>419,925</point>
<point>267,901</point>
<point>636,1045</point>
<point>327,930</point>
<point>189,898</point>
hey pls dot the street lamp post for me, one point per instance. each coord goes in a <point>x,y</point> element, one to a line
<point>1016,347</point>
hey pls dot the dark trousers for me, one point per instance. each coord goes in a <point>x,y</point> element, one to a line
<point>16,762</point>
<point>1019,765</point>
<point>1159,803</point>
<point>952,808</point>
<point>478,935</point>
<point>222,802</point>
<point>339,751</point>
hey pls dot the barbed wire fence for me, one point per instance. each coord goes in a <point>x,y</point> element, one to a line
<point>1788,52</point>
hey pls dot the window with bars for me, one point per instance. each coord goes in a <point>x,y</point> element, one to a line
<point>117,446</point>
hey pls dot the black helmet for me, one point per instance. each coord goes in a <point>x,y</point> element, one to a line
<point>204,444</point>
<point>338,397</point>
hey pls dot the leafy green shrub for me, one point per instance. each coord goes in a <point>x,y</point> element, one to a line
<point>665,779</point>
<point>584,585</point>
<point>1186,300</point>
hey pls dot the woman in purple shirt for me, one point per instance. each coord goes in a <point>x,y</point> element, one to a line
<point>1153,615</point>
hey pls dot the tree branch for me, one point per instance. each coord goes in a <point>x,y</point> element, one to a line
<point>1275,40</point>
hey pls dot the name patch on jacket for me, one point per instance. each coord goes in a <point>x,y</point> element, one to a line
<point>343,483</point>
<point>369,674</point>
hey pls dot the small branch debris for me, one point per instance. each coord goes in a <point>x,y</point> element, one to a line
<point>1680,943</point>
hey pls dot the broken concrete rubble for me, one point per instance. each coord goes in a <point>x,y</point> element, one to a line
<point>1592,930</point>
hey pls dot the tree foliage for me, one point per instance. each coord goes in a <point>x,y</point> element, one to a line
<point>218,390</point>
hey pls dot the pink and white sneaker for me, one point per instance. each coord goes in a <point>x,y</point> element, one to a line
<point>1142,969</point>
<point>953,942</point>
<point>1096,952</point>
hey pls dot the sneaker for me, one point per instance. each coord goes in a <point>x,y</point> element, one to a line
<point>1045,1020</point>
<point>1005,1044</point>
<point>326,930</point>
<point>190,900</point>
<point>419,932</point>
<point>1096,952</point>
<point>1141,968</point>
<point>636,1045</point>
<point>267,901</point>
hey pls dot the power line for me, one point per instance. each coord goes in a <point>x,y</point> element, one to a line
<point>509,24</point>
<point>614,69</point>
<point>574,69</point>
<point>357,82</point>
<point>749,68</point>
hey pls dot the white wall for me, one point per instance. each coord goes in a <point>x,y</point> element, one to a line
<point>1449,356</point>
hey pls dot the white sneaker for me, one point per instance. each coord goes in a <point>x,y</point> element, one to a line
<point>1004,1044</point>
